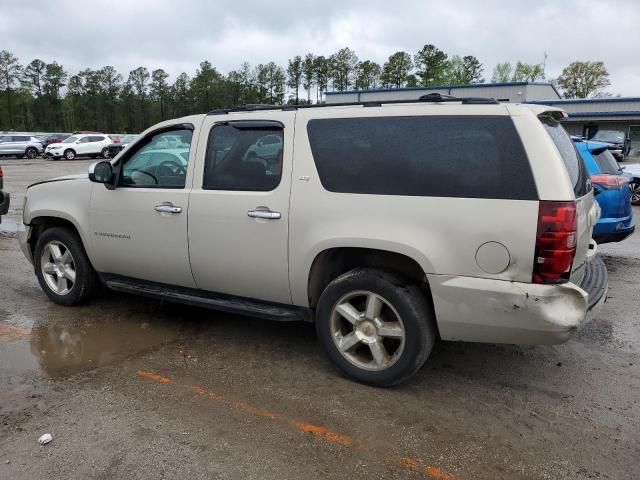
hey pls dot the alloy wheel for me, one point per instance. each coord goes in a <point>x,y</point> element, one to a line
<point>367,330</point>
<point>58,267</point>
<point>31,153</point>
<point>635,192</point>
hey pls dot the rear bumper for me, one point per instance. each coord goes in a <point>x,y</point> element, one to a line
<point>617,236</point>
<point>496,311</point>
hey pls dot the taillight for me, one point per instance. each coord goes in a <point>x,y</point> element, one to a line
<point>609,182</point>
<point>555,241</point>
<point>0,172</point>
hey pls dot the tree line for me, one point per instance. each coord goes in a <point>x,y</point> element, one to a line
<point>42,96</point>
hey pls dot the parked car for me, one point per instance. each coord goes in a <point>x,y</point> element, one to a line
<point>632,172</point>
<point>16,145</point>
<point>386,226</point>
<point>616,140</point>
<point>611,190</point>
<point>57,138</point>
<point>124,142</point>
<point>79,145</point>
<point>4,197</point>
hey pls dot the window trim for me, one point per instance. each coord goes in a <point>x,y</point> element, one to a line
<point>139,145</point>
<point>272,125</point>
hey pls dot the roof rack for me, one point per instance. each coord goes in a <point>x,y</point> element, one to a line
<point>431,97</point>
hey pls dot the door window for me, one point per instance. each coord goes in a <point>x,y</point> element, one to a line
<point>244,156</point>
<point>83,140</point>
<point>159,161</point>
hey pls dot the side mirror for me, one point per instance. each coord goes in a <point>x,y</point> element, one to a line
<point>101,172</point>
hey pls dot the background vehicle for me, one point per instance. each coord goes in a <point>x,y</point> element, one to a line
<point>4,197</point>
<point>78,146</point>
<point>349,226</point>
<point>20,146</point>
<point>632,171</point>
<point>124,142</point>
<point>56,138</point>
<point>616,140</point>
<point>611,189</point>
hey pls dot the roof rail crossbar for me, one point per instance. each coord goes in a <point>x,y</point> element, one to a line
<point>432,97</point>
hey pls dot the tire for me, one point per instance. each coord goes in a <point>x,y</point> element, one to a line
<point>69,154</point>
<point>634,186</point>
<point>31,153</point>
<point>105,152</point>
<point>54,276</point>
<point>404,311</point>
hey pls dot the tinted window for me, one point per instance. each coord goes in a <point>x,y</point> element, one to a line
<point>20,138</point>
<point>570,156</point>
<point>156,163</point>
<point>606,162</point>
<point>84,140</point>
<point>96,139</point>
<point>475,157</point>
<point>241,158</point>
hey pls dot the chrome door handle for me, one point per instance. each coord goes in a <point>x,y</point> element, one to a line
<point>168,209</point>
<point>268,214</point>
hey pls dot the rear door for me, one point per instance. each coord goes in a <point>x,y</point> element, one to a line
<point>586,206</point>
<point>239,206</point>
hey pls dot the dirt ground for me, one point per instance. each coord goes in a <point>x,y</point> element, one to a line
<point>133,388</point>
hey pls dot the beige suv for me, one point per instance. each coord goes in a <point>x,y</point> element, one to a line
<point>388,225</point>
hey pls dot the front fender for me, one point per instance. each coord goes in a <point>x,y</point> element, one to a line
<point>65,199</point>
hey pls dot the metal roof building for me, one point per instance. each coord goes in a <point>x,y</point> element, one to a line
<point>506,92</point>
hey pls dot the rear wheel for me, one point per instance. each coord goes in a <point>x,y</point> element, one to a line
<point>634,186</point>
<point>31,153</point>
<point>69,154</point>
<point>375,326</point>
<point>63,268</point>
<point>105,152</point>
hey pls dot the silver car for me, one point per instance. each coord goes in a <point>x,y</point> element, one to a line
<point>20,146</point>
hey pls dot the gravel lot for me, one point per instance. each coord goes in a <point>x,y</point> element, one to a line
<point>133,388</point>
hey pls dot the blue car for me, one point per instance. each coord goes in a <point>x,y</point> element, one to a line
<point>611,188</point>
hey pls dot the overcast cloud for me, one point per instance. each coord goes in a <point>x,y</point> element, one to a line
<point>178,35</point>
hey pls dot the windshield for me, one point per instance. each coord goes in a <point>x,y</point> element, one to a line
<point>609,136</point>
<point>606,162</point>
<point>70,140</point>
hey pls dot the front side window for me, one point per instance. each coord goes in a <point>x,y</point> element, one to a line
<point>84,140</point>
<point>244,156</point>
<point>71,139</point>
<point>159,161</point>
<point>438,156</point>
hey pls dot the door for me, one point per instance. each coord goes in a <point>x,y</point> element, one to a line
<point>5,145</point>
<point>239,206</point>
<point>19,144</point>
<point>83,146</point>
<point>139,229</point>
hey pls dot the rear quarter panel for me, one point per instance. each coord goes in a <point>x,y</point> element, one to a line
<point>442,234</point>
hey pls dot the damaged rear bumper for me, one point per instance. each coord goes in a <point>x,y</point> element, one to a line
<point>497,311</point>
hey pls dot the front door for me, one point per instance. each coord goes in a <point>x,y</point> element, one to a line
<point>139,229</point>
<point>239,206</point>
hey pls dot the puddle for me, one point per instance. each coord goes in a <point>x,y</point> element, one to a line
<point>64,346</point>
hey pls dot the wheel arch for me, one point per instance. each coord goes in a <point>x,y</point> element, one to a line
<point>332,262</point>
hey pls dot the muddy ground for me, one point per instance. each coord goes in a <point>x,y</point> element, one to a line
<point>133,388</point>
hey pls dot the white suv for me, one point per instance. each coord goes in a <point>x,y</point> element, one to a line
<point>388,225</point>
<point>90,145</point>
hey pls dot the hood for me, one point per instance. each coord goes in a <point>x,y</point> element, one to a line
<point>57,144</point>
<point>79,176</point>
<point>632,168</point>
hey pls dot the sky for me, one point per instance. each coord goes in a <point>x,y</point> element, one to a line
<point>178,34</point>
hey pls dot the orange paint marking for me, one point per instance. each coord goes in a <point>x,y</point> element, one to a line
<point>321,432</point>
<point>10,332</point>
<point>438,473</point>
<point>154,376</point>
<point>317,431</point>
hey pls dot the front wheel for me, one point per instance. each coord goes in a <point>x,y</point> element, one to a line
<point>63,268</point>
<point>31,153</point>
<point>375,326</point>
<point>105,152</point>
<point>634,186</point>
<point>69,154</point>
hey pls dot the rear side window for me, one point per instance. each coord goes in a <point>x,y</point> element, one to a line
<point>606,162</point>
<point>448,156</point>
<point>577,171</point>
